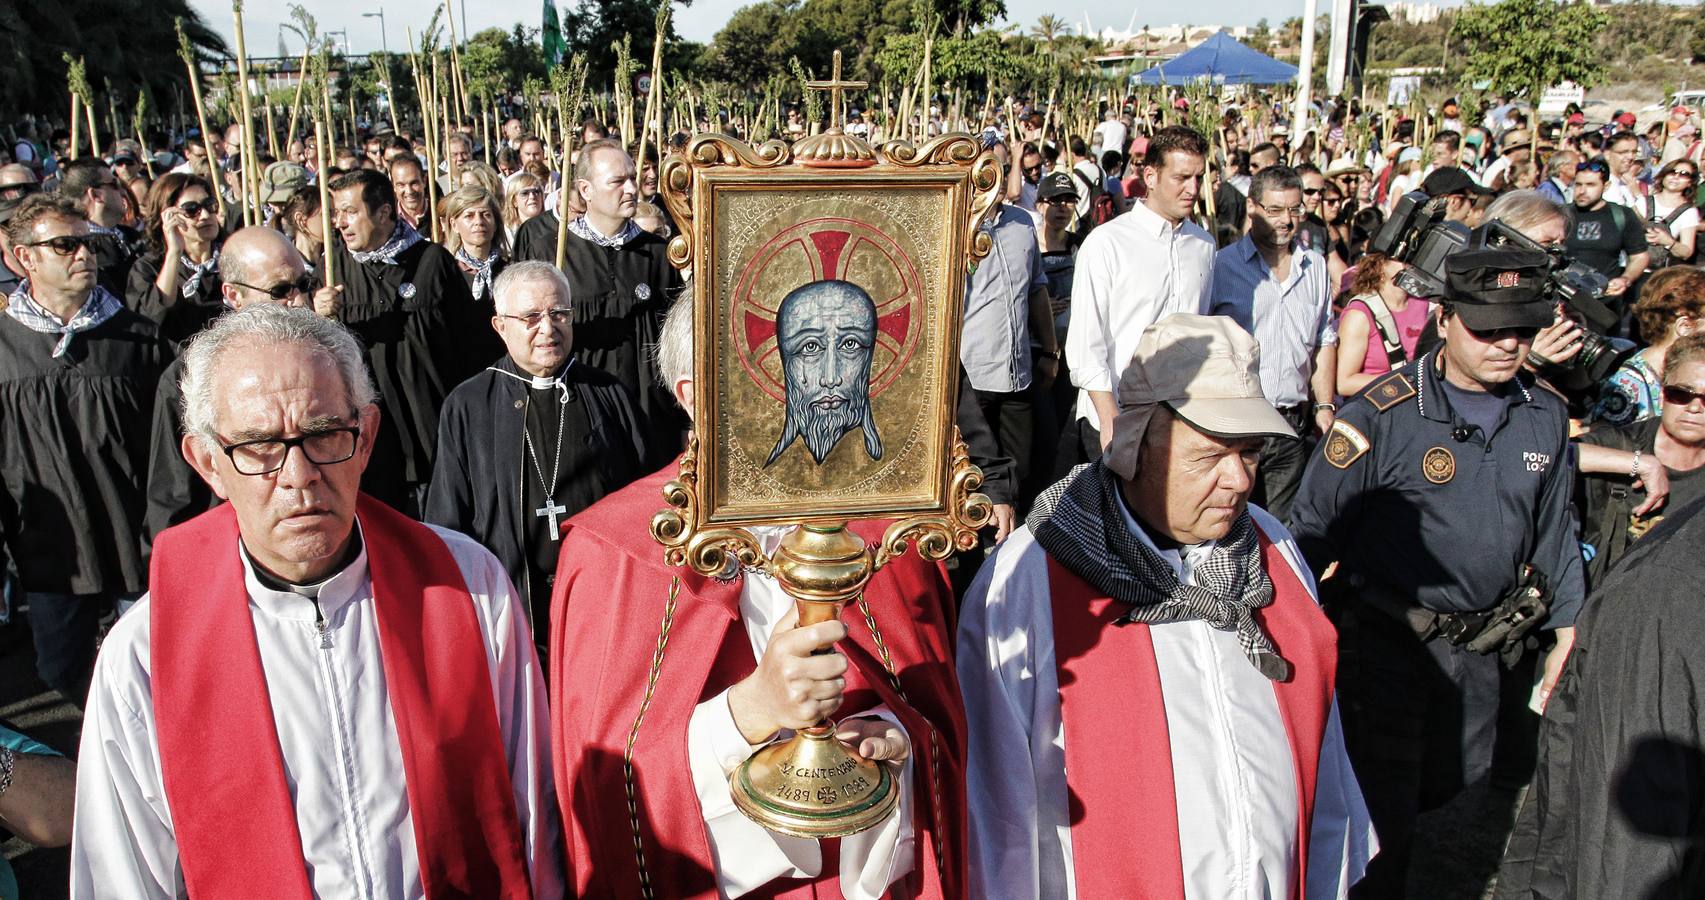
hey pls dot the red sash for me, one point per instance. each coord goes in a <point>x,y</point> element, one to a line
<point>232,812</point>
<point>1132,791</point>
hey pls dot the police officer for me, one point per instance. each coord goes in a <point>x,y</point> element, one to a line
<point>1431,490</point>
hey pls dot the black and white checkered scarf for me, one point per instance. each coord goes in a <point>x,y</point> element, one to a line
<point>584,229</point>
<point>100,307</point>
<point>1079,522</point>
<point>402,237</point>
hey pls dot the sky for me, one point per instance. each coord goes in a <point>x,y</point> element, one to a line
<point>698,22</point>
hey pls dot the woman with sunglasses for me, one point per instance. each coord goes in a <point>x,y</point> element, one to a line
<point>1671,307</point>
<point>1672,221</point>
<point>523,198</point>
<point>1634,473</point>
<point>176,282</point>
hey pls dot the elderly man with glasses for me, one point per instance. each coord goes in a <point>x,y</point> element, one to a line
<point>534,439</point>
<point>77,377</point>
<point>318,694</point>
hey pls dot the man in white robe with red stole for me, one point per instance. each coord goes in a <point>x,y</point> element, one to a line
<point>318,697</point>
<point>1148,676</point>
<point>663,681</point>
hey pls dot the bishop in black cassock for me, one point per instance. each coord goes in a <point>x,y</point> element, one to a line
<point>532,440</point>
<point>405,298</point>
<point>622,282</point>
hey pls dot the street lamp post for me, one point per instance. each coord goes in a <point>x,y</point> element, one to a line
<point>384,44</point>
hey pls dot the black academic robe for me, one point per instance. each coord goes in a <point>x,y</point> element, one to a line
<point>175,492</point>
<point>477,480</point>
<point>180,317</point>
<point>621,295</point>
<point>536,239</point>
<point>1617,808</point>
<point>485,344</point>
<point>422,333</point>
<point>115,256</point>
<point>74,453</point>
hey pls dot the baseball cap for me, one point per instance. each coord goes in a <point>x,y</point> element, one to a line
<point>1577,119</point>
<point>281,181</point>
<point>1493,289</point>
<point>1056,184</point>
<point>1625,119</point>
<point>1450,180</point>
<point>1206,370</point>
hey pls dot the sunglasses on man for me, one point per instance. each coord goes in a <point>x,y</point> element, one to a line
<point>1681,396</point>
<point>66,244</point>
<point>282,290</point>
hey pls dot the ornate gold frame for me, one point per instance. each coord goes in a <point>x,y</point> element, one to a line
<point>698,528</point>
<point>811,785</point>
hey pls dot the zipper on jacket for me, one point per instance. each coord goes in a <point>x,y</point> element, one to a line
<point>320,624</point>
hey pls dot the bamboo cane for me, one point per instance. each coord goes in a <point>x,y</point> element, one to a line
<point>654,96</point>
<point>577,75</point>
<point>188,56</point>
<point>271,131</point>
<point>140,116</point>
<point>94,136</point>
<point>459,86</point>
<point>485,130</point>
<point>301,82</point>
<point>75,106</point>
<point>251,212</point>
<point>323,176</point>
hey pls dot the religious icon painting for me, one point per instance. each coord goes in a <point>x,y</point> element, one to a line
<point>828,283</point>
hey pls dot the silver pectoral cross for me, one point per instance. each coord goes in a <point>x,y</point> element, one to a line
<point>552,509</point>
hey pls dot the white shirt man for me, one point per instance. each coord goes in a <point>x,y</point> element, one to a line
<point>1077,643</point>
<point>1137,269</point>
<point>387,766</point>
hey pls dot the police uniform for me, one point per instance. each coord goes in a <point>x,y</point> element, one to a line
<point>1427,514</point>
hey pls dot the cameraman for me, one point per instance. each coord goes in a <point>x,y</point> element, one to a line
<point>1432,490</point>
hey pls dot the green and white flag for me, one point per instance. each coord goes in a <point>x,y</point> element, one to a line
<point>551,34</point>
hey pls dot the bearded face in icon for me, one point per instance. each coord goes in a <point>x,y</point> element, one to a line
<point>826,332</point>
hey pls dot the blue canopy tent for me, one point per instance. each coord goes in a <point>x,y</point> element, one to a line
<point>1222,60</point>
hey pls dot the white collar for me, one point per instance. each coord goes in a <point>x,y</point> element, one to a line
<point>1183,560</point>
<point>336,592</point>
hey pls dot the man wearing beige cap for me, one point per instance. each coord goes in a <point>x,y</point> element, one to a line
<point>278,184</point>
<point>1148,677</point>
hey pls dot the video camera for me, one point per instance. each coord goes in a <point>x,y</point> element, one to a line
<point>1418,236</point>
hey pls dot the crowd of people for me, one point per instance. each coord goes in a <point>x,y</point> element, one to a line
<point>1329,524</point>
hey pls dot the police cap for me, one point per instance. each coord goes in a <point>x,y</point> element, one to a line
<point>1493,289</point>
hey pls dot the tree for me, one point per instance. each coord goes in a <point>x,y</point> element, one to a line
<point>130,43</point>
<point>1526,46</point>
<point>498,62</point>
<point>594,28</point>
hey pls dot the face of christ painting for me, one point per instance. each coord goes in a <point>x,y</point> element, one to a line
<point>826,335</point>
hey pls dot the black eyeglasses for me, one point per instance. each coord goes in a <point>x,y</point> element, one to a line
<point>1313,192</point>
<point>530,192</point>
<point>267,455</point>
<point>1594,165</point>
<point>66,244</point>
<point>1680,396</point>
<point>561,315</point>
<point>283,289</point>
<point>194,209</point>
<point>1332,200</point>
<point>1683,173</point>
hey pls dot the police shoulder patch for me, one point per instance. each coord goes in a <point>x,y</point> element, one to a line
<point>1344,444</point>
<point>1389,390</point>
